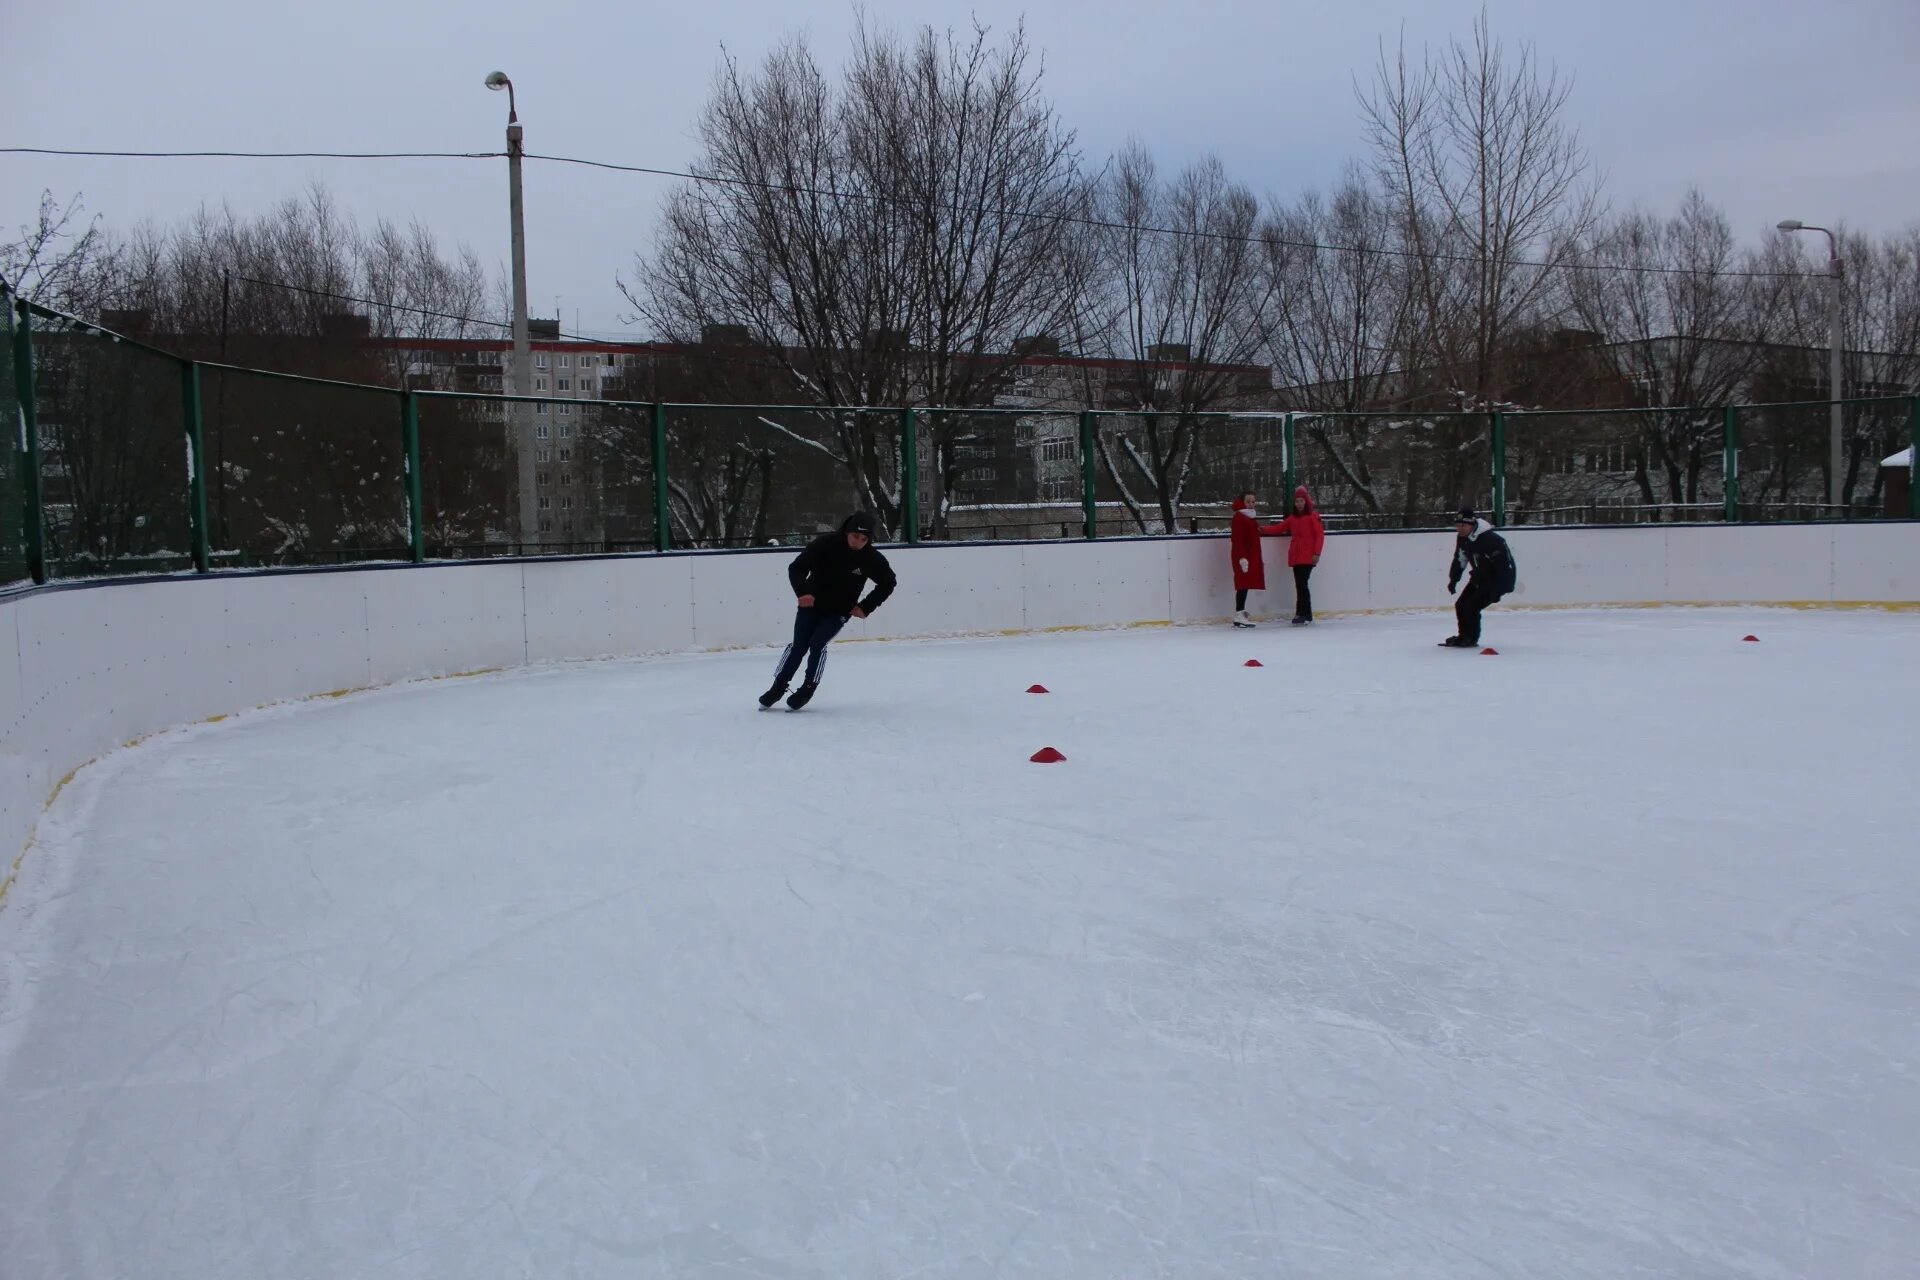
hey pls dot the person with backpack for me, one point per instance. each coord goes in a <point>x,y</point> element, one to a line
<point>827,579</point>
<point>1477,550</point>
<point>1309,533</point>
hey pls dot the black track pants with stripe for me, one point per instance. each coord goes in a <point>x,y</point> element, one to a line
<point>813,630</point>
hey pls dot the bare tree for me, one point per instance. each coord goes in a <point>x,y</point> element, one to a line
<point>1491,188</point>
<point>49,251</point>
<point>1880,328</point>
<point>888,238</point>
<point>1339,337</point>
<point>1338,331</point>
<point>1680,317</point>
<point>297,472</point>
<point>1180,308</point>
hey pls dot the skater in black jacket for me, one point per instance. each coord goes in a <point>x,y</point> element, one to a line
<point>1477,548</point>
<point>828,578</point>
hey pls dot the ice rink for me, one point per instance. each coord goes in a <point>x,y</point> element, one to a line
<point>1598,958</point>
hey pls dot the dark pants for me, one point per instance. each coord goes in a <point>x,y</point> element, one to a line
<point>813,629</point>
<point>1473,599</point>
<point>1302,594</point>
<point>1240,600</point>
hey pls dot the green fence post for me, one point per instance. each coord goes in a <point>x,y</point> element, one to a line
<point>196,464</point>
<point>1286,463</point>
<point>1730,461</point>
<point>28,443</point>
<point>1089,508</point>
<point>662,513</point>
<point>1499,469</point>
<point>416,504</point>
<point>910,474</point>
<point>1913,458</point>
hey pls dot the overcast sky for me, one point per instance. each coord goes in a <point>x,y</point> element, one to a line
<point>1774,109</point>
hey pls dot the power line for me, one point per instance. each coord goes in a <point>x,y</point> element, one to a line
<point>882,198</point>
<point>372,302</point>
<point>1144,229</point>
<point>259,155</point>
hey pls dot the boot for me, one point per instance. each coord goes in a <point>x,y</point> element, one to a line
<point>801,697</point>
<point>771,696</point>
<point>1240,619</point>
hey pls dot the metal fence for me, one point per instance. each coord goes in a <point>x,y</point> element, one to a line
<point>131,459</point>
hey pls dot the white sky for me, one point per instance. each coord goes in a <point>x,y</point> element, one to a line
<point>1774,109</point>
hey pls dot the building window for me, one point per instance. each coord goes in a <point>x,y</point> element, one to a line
<point>565,361</point>
<point>539,477</point>
<point>539,384</point>
<point>541,407</point>
<point>566,504</point>
<point>586,362</point>
<point>540,361</point>
<point>566,455</point>
<point>546,526</point>
<point>565,409</point>
<point>566,429</point>
<point>540,429</point>
<point>544,455</point>
<point>566,526</point>
<point>565,384</point>
<point>546,503</point>
<point>566,477</point>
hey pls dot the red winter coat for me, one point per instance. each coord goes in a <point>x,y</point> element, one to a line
<point>1308,531</point>
<point>1245,545</point>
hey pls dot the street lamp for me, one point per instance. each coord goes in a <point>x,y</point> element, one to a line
<point>522,368</point>
<point>1835,455</point>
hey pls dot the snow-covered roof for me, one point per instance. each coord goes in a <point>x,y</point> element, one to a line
<point>1904,458</point>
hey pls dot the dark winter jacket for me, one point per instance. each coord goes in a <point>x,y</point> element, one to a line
<point>1485,553</point>
<point>834,574</point>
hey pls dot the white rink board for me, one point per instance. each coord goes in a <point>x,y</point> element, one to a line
<point>99,665</point>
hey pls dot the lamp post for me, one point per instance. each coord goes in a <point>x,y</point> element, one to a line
<point>1836,453</point>
<point>522,365</point>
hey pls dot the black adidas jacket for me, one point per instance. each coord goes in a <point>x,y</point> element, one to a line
<point>834,574</point>
<point>1487,554</point>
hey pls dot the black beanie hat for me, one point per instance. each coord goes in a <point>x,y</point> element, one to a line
<point>1467,516</point>
<point>860,522</point>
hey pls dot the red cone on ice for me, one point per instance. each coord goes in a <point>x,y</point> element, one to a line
<point>1255,662</point>
<point>1489,652</point>
<point>1036,688</point>
<point>1046,755</point>
<point>1750,639</point>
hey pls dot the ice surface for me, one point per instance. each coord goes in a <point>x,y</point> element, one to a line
<point>1595,959</point>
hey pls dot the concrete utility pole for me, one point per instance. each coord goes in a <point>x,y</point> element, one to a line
<point>521,381</point>
<point>1835,419</point>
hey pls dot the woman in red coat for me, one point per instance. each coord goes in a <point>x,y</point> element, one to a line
<point>1249,570</point>
<point>1309,534</point>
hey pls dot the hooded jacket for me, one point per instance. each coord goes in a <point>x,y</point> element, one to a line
<point>834,574</point>
<point>1307,529</point>
<point>1244,546</point>
<point>1485,553</point>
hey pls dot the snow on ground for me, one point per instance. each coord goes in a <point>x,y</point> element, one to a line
<point>1595,959</point>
